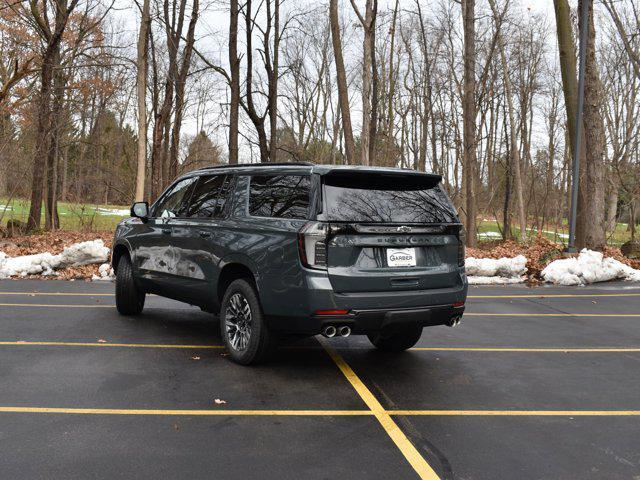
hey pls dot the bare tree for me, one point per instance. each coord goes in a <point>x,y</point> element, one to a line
<point>234,67</point>
<point>369,94</point>
<point>633,50</point>
<point>469,118</point>
<point>514,151</point>
<point>51,35</point>
<point>343,93</point>
<point>141,88</point>
<point>593,184</point>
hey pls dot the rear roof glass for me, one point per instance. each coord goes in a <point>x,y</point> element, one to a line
<point>279,196</point>
<point>386,199</point>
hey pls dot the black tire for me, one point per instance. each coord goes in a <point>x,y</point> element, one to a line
<point>241,309</point>
<point>397,340</point>
<point>129,299</point>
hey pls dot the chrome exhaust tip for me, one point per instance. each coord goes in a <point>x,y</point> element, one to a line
<point>329,331</point>
<point>454,321</point>
<point>345,331</point>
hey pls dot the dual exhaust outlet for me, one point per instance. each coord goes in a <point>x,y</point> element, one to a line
<point>331,331</point>
<point>454,321</point>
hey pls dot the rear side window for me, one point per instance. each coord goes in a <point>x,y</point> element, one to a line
<point>386,201</point>
<point>209,197</point>
<point>279,196</point>
<point>174,202</point>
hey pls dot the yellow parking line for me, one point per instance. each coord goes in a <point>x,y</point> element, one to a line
<point>54,305</point>
<point>524,350</point>
<point>473,314</point>
<point>106,344</point>
<point>328,413</point>
<point>58,294</point>
<point>222,412</point>
<point>417,461</point>
<point>558,295</point>
<point>519,413</point>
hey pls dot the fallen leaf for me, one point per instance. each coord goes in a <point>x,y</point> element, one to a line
<point>219,401</point>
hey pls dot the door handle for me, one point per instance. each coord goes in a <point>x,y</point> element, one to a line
<point>204,234</point>
<point>166,231</point>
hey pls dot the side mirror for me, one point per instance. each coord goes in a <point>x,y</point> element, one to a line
<point>140,210</point>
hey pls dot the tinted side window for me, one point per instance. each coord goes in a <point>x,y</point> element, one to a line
<point>173,204</point>
<point>280,196</point>
<point>209,197</point>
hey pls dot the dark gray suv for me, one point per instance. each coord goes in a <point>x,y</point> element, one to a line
<point>299,249</point>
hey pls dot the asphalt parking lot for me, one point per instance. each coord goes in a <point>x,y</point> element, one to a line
<point>535,383</point>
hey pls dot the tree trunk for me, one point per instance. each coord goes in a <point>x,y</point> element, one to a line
<point>612,208</point>
<point>594,207</point>
<point>506,210</point>
<point>566,50</point>
<point>51,207</point>
<point>234,63</point>
<point>141,88</point>
<point>343,93</point>
<point>43,135</point>
<point>469,118</point>
<point>273,84</point>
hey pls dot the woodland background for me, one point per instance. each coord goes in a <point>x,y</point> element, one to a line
<point>106,101</point>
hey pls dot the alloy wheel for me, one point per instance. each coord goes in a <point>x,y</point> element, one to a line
<point>238,322</point>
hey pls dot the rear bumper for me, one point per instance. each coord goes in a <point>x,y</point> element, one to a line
<point>370,311</point>
<point>366,321</point>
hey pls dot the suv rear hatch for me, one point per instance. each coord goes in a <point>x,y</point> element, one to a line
<point>389,231</point>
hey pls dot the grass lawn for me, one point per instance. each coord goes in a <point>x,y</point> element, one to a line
<point>488,230</point>
<point>73,216</point>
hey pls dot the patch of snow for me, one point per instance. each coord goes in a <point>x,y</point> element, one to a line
<point>113,211</point>
<point>491,271</point>
<point>501,267</point>
<point>105,272</point>
<point>489,235</point>
<point>83,253</point>
<point>588,267</point>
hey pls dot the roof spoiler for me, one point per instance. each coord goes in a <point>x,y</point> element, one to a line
<point>381,179</point>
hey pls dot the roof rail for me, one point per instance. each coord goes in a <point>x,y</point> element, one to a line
<point>266,164</point>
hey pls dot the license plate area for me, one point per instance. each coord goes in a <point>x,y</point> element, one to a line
<point>401,257</point>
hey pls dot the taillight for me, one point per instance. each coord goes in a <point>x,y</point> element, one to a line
<point>462,239</point>
<point>312,244</point>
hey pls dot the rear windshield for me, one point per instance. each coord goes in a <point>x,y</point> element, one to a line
<point>388,201</point>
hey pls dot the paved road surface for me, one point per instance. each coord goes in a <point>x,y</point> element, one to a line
<point>535,383</point>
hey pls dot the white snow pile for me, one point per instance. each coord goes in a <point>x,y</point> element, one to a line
<point>588,267</point>
<point>113,211</point>
<point>105,272</point>
<point>490,235</point>
<point>83,253</point>
<point>490,271</point>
